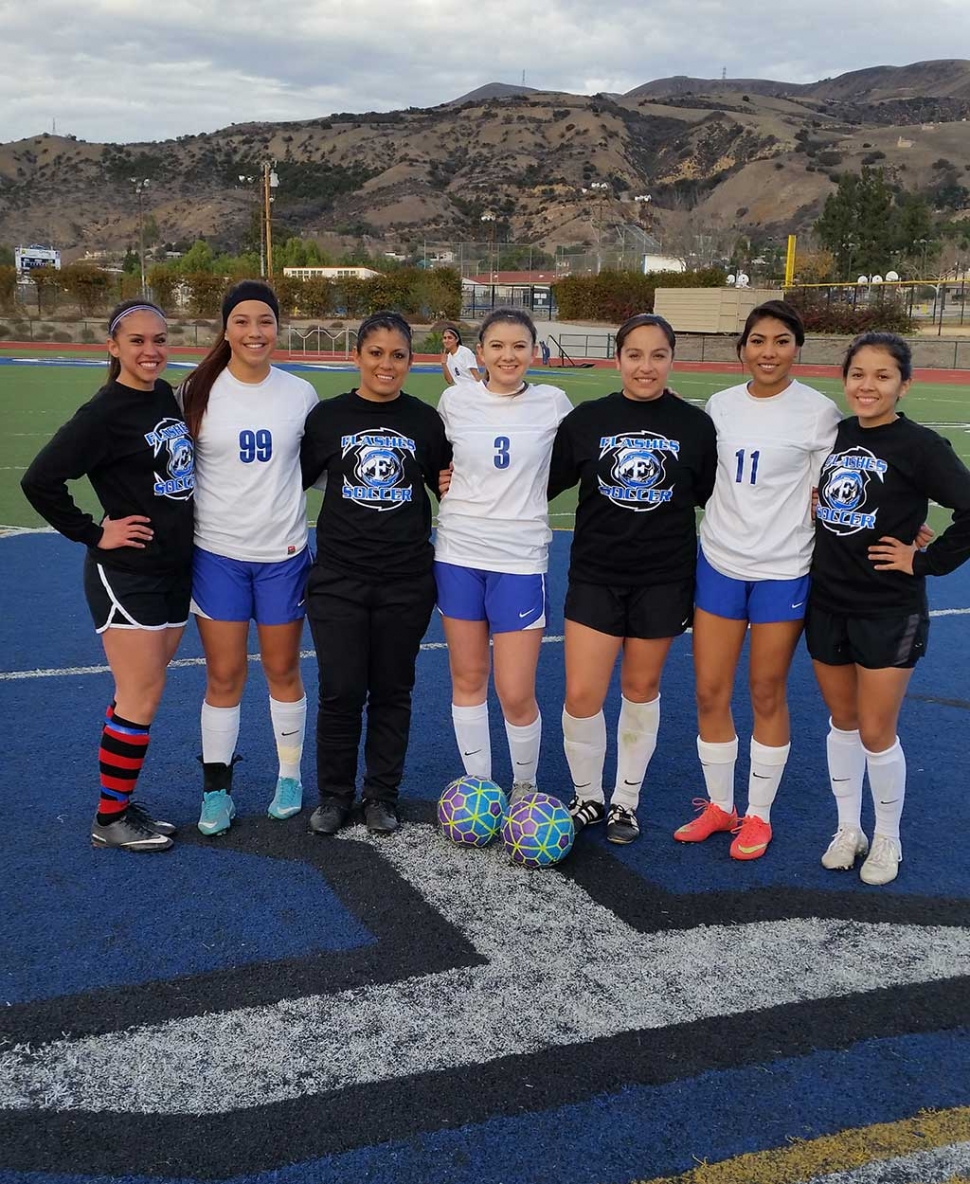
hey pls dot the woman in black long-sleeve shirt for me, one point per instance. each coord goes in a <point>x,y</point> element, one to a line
<point>867,620</point>
<point>131,442</point>
<point>371,591</point>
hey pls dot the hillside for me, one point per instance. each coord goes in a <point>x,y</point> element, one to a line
<point>723,155</point>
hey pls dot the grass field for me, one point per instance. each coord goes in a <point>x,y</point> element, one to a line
<point>36,398</point>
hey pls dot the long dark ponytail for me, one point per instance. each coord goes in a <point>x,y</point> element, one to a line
<point>196,388</point>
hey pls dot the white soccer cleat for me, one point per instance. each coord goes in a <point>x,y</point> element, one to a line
<point>845,848</point>
<point>883,863</point>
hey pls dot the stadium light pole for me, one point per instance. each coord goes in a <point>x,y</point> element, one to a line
<point>140,186</point>
<point>489,217</point>
<point>244,180</point>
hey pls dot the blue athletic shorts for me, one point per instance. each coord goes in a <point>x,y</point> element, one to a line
<point>758,601</point>
<point>234,590</point>
<point>509,603</point>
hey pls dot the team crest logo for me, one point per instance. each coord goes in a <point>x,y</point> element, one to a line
<point>170,441</point>
<point>379,477</point>
<point>844,491</point>
<point>637,469</point>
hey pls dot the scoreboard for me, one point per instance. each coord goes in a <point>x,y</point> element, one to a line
<point>27,258</point>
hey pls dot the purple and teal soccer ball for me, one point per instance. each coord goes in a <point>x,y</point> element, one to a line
<point>537,831</point>
<point>471,810</point>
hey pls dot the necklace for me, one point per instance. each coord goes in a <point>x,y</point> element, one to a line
<point>511,394</point>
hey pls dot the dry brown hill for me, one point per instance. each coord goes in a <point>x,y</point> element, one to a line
<point>715,156</point>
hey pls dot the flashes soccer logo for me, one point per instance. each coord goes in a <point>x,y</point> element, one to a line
<point>379,478</point>
<point>843,491</point>
<point>170,440</point>
<point>637,469</point>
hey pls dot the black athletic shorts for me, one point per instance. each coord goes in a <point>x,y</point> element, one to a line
<point>876,643</point>
<point>136,600</point>
<point>662,610</point>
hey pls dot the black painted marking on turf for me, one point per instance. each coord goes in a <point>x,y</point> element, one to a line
<point>218,1146</point>
<point>262,1138</point>
<point>368,886</point>
<point>961,703</point>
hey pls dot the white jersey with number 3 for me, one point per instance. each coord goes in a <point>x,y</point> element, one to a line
<point>249,500</point>
<point>758,524</point>
<point>495,516</point>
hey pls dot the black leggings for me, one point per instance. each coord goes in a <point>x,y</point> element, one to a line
<point>367,633</point>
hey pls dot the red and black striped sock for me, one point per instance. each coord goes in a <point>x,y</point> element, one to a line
<point>121,756</point>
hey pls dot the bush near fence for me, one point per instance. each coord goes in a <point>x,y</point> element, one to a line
<point>613,296</point>
<point>821,314</point>
<point>88,291</point>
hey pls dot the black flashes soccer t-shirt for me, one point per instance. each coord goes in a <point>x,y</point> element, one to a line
<point>134,448</point>
<point>377,459</point>
<point>877,482</point>
<point>642,468</point>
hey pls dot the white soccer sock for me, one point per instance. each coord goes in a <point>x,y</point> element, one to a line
<point>474,741</point>
<point>718,761</point>
<point>767,766</point>
<point>524,749</point>
<point>220,731</point>
<point>847,768</point>
<point>887,782</point>
<point>636,742</point>
<point>289,728</point>
<point>584,742</point>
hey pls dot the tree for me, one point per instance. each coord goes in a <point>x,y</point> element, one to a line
<point>46,281</point>
<point>88,285</point>
<point>856,223</point>
<point>6,257</point>
<point>8,287</point>
<point>163,282</point>
<point>131,264</point>
<point>197,258</point>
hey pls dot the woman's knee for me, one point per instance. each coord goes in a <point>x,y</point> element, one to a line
<point>768,696</point>
<point>470,678</point>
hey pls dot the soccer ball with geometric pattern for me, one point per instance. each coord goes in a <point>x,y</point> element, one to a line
<point>470,811</point>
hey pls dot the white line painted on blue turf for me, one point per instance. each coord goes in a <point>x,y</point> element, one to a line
<point>181,663</point>
<point>548,940</point>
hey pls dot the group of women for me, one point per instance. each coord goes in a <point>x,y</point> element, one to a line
<point>495,451</point>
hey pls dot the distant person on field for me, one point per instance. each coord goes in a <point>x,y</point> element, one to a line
<point>131,442</point>
<point>545,351</point>
<point>868,621</point>
<point>458,363</point>
<point>251,556</point>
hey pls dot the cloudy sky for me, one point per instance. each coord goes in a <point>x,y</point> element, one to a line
<point>130,70</point>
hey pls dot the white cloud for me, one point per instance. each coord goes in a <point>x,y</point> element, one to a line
<point>125,70</point>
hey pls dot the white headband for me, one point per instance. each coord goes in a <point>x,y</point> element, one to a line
<point>134,308</point>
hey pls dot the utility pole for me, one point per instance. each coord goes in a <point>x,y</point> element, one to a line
<point>140,187</point>
<point>270,182</point>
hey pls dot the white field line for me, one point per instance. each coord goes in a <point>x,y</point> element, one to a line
<point>179,663</point>
<point>182,663</point>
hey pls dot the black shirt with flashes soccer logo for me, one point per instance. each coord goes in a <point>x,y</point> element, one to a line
<point>376,459</point>
<point>877,482</point>
<point>134,448</point>
<point>642,468</point>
